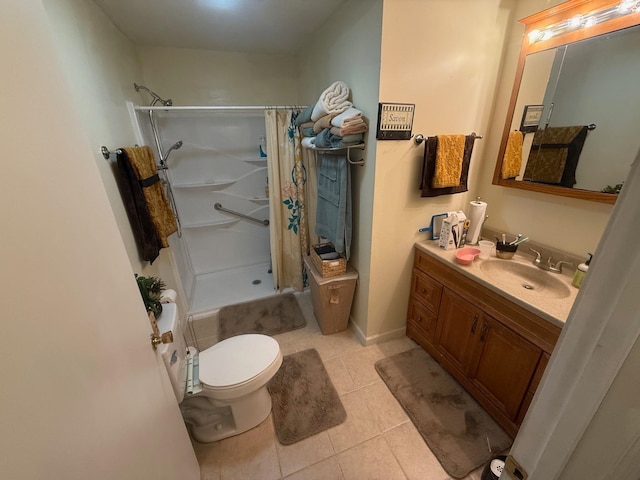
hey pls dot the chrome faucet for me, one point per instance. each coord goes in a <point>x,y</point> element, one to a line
<point>548,266</point>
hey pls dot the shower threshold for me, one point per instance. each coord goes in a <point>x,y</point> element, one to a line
<point>227,287</point>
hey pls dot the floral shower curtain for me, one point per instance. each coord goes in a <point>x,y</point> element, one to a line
<point>289,207</point>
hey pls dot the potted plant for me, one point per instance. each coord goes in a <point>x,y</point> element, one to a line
<point>150,289</point>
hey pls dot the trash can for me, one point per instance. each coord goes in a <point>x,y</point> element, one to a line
<point>493,469</point>
<point>331,297</point>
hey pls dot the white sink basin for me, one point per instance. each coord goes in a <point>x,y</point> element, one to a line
<point>520,277</point>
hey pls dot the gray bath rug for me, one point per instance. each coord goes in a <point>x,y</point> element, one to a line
<point>269,316</point>
<point>305,402</point>
<point>452,423</point>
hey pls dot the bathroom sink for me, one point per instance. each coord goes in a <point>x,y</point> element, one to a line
<point>514,275</point>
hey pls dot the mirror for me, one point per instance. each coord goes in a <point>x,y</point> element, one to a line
<point>570,127</point>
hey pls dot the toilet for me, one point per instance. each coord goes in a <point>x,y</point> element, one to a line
<point>233,375</point>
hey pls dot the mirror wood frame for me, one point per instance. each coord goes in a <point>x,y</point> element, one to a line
<point>540,21</point>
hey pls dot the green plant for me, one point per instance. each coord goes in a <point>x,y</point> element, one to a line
<point>615,189</point>
<point>150,290</point>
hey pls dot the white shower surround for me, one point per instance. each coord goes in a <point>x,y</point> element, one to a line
<point>221,259</point>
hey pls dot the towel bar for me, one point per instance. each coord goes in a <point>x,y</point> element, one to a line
<point>419,138</point>
<point>106,153</point>
<point>218,206</point>
<point>348,148</point>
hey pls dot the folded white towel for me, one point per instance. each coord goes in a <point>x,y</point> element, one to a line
<point>308,142</point>
<point>350,115</point>
<point>333,100</point>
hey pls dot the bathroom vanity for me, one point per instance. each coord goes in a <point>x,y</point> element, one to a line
<point>493,338</point>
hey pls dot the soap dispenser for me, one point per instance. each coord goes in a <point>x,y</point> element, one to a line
<point>581,271</point>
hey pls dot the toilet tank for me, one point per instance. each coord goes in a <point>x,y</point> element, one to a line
<point>174,355</point>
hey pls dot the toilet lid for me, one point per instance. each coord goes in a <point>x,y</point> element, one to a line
<point>237,359</point>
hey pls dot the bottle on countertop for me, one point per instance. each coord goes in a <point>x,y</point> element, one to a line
<point>581,272</point>
<point>262,147</point>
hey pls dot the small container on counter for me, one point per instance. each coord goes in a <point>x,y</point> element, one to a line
<point>506,251</point>
<point>581,272</point>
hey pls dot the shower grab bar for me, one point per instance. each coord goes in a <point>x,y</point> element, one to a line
<point>218,206</point>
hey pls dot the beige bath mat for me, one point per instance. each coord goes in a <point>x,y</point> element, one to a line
<point>269,316</point>
<point>452,423</point>
<point>305,402</point>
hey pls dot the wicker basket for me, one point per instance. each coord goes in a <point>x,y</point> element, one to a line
<point>327,268</point>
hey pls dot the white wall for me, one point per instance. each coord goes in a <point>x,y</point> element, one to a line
<point>534,214</point>
<point>444,57</point>
<point>100,65</point>
<point>347,48</point>
<point>82,393</point>
<point>205,77</point>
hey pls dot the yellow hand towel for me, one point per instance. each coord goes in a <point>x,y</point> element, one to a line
<point>144,164</point>
<point>512,155</point>
<point>448,161</point>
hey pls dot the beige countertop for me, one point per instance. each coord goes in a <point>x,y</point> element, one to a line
<point>549,295</point>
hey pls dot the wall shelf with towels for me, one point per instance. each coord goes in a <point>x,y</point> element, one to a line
<point>348,148</point>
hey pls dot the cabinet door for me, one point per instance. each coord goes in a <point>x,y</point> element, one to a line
<point>427,290</point>
<point>503,365</point>
<point>457,329</point>
<point>423,318</point>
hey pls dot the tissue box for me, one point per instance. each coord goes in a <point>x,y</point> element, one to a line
<point>328,267</point>
<point>452,229</point>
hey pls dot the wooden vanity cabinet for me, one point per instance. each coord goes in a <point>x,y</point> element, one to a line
<point>496,349</point>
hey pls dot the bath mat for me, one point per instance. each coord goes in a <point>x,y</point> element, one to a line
<point>305,402</point>
<point>269,316</point>
<point>452,423</point>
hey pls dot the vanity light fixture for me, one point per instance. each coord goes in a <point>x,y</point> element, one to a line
<point>585,21</point>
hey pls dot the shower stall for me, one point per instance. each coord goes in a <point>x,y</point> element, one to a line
<point>214,166</point>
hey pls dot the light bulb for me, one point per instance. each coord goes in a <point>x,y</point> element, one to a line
<point>590,21</point>
<point>627,5</point>
<point>575,21</point>
<point>534,36</point>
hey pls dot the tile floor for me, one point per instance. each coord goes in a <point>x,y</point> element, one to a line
<point>377,441</point>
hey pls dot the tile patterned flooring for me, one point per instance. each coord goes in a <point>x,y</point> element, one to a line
<point>377,441</point>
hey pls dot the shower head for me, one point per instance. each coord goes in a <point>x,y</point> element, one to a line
<point>156,97</point>
<point>175,146</point>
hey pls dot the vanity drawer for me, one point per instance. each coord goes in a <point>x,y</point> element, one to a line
<point>424,319</point>
<point>426,290</point>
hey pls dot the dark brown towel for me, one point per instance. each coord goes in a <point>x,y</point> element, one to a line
<point>554,155</point>
<point>151,217</point>
<point>429,167</point>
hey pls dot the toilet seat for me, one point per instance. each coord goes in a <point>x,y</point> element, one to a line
<point>238,365</point>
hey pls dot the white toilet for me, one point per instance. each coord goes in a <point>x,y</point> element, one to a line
<point>233,374</point>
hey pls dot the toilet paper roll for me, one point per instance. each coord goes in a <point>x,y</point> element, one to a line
<point>168,296</point>
<point>477,212</point>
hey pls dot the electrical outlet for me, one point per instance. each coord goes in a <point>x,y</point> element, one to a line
<point>514,469</point>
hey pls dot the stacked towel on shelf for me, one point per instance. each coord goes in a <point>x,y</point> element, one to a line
<point>333,118</point>
<point>150,214</point>
<point>304,116</point>
<point>333,214</point>
<point>335,99</point>
<point>322,123</point>
<point>326,139</point>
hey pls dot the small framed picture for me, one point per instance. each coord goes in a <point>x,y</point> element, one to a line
<point>395,121</point>
<point>531,118</point>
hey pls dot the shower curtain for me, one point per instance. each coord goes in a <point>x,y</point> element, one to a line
<point>289,206</point>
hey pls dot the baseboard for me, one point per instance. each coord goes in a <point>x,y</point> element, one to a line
<point>379,338</point>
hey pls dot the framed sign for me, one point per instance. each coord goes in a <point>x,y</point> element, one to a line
<point>531,118</point>
<point>395,121</point>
